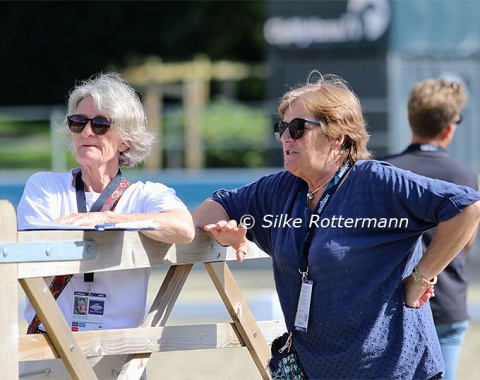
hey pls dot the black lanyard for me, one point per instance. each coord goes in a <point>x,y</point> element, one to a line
<point>97,206</point>
<point>106,193</point>
<point>324,199</point>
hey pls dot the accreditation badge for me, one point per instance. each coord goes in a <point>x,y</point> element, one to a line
<point>88,311</point>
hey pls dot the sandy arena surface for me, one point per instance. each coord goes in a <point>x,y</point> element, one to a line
<point>200,303</point>
<point>236,364</point>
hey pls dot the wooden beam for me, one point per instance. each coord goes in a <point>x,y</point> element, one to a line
<point>153,102</point>
<point>147,340</point>
<point>241,315</point>
<point>9,299</point>
<point>57,328</point>
<point>132,248</point>
<point>158,315</point>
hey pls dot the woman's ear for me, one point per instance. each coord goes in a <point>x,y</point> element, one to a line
<point>338,142</point>
<point>123,147</point>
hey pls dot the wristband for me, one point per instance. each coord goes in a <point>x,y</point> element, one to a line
<point>423,282</point>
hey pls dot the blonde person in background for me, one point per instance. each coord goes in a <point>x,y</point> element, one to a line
<point>434,114</point>
<point>368,282</point>
<point>108,127</point>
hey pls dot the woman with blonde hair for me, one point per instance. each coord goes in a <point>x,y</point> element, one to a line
<point>344,234</point>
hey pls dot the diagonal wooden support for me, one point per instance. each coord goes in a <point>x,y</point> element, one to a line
<point>158,315</point>
<point>57,328</point>
<point>241,315</point>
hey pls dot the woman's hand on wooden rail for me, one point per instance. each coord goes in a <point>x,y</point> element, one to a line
<point>230,233</point>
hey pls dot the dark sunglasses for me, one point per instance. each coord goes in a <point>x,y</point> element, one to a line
<point>296,127</point>
<point>99,124</point>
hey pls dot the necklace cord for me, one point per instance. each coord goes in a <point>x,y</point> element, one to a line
<point>311,193</point>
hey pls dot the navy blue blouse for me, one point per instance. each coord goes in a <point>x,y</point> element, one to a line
<point>364,244</point>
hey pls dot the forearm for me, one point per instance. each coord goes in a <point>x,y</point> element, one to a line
<point>175,226</point>
<point>208,212</point>
<point>211,217</point>
<point>450,238</point>
<point>471,242</point>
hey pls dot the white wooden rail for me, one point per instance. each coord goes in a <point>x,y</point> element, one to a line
<point>50,253</point>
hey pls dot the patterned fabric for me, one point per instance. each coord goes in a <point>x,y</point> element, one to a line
<point>288,369</point>
<point>284,364</point>
<point>113,199</point>
<point>56,287</point>
<point>59,282</point>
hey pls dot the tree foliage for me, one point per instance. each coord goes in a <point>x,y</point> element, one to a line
<point>47,46</point>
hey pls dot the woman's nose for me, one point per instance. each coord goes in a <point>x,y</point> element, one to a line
<point>87,131</point>
<point>285,136</point>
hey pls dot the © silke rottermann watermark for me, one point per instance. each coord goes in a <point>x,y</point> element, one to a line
<point>285,221</point>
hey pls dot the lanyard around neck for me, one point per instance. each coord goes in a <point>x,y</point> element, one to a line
<point>104,196</point>
<point>324,200</point>
<point>330,190</point>
<point>88,278</point>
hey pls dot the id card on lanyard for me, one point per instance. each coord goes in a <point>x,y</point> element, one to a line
<point>88,311</point>
<point>306,290</point>
<point>89,308</point>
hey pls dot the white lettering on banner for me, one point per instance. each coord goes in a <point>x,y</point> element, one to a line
<point>364,20</point>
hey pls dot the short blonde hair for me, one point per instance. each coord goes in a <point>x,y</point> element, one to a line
<point>331,101</point>
<point>433,104</point>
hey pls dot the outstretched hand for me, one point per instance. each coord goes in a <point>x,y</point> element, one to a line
<point>230,233</point>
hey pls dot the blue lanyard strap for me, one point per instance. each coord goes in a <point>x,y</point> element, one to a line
<point>324,200</point>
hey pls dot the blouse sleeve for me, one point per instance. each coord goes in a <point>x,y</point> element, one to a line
<point>419,198</point>
<point>39,201</point>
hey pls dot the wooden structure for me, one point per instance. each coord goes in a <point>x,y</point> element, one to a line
<point>27,256</point>
<point>189,81</point>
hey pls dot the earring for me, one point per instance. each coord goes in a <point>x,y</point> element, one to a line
<point>334,155</point>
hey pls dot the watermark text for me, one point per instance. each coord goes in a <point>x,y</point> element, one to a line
<point>286,221</point>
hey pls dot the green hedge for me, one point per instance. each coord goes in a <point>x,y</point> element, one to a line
<point>234,135</point>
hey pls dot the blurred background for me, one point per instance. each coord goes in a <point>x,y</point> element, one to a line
<point>210,74</point>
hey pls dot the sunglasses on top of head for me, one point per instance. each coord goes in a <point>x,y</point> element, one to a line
<point>99,124</point>
<point>296,127</point>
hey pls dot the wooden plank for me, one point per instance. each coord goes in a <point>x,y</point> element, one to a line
<point>9,299</point>
<point>147,340</point>
<point>241,315</point>
<point>57,328</point>
<point>167,295</point>
<point>158,315</point>
<point>133,250</point>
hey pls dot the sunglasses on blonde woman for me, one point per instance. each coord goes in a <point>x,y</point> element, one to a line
<point>99,124</point>
<point>296,127</point>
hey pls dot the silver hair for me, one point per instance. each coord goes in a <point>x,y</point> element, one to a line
<point>118,101</point>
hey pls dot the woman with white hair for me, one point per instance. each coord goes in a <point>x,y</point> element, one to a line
<point>109,130</point>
